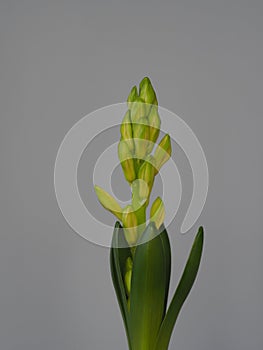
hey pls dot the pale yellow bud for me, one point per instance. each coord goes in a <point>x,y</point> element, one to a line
<point>126,131</point>
<point>129,263</point>
<point>141,128</point>
<point>108,202</point>
<point>127,161</point>
<point>163,152</point>
<point>132,96</point>
<point>141,137</point>
<point>129,218</point>
<point>130,222</point>
<point>146,173</point>
<point>128,274</point>
<point>147,92</point>
<point>138,110</point>
<point>157,213</point>
<point>127,279</point>
<point>154,126</point>
<point>140,193</point>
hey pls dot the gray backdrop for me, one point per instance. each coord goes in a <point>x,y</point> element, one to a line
<point>60,60</point>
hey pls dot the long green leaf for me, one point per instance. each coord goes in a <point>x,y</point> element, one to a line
<point>118,258</point>
<point>181,292</point>
<point>148,288</point>
<point>167,254</point>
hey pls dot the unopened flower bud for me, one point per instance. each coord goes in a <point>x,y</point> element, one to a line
<point>132,96</point>
<point>128,274</point>
<point>147,92</point>
<point>127,161</point>
<point>141,136</point>
<point>154,126</point>
<point>128,264</point>
<point>140,193</point>
<point>146,172</point>
<point>163,152</point>
<point>127,279</point>
<point>108,202</point>
<point>129,220</point>
<point>141,149</point>
<point>141,128</point>
<point>138,110</point>
<point>126,131</point>
<point>157,213</point>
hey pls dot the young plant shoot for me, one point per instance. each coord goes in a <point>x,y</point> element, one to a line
<point>140,256</point>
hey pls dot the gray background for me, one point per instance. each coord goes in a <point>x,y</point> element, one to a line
<point>60,60</point>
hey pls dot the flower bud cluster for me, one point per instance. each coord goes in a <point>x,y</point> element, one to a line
<point>139,131</point>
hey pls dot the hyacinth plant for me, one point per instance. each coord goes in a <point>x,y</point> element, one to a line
<point>140,256</point>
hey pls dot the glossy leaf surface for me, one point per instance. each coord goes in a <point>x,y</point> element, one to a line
<point>149,288</point>
<point>181,293</point>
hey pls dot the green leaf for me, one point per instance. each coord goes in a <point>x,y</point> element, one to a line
<point>167,254</point>
<point>181,292</point>
<point>149,288</point>
<point>118,257</point>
